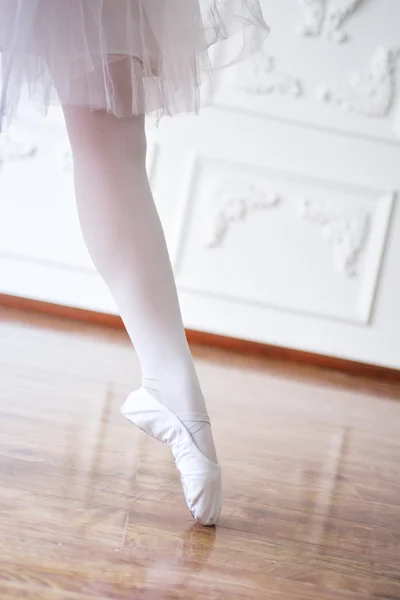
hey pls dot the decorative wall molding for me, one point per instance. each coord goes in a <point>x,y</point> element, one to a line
<point>326,18</point>
<point>346,229</point>
<point>220,194</point>
<point>235,208</point>
<point>336,17</point>
<point>259,75</point>
<point>369,93</point>
<point>14,149</point>
<point>313,17</point>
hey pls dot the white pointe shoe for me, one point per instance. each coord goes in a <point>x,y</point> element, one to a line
<point>201,478</point>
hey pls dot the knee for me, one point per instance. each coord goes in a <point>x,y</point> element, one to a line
<point>99,132</point>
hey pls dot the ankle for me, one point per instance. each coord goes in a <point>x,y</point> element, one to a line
<point>179,391</point>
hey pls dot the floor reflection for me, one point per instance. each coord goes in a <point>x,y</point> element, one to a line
<point>188,557</point>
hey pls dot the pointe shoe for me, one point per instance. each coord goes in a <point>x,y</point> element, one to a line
<point>201,478</point>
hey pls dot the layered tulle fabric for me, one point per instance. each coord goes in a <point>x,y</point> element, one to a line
<point>123,56</point>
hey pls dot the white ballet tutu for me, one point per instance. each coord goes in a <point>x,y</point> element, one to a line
<point>127,57</point>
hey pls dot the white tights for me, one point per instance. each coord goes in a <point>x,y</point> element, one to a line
<point>126,242</point>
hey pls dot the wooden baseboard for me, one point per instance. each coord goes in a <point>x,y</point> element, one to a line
<point>212,340</point>
<point>332,363</point>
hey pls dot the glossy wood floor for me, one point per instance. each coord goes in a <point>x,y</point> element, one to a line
<point>92,508</point>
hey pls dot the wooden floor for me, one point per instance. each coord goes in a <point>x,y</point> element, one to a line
<point>92,508</point>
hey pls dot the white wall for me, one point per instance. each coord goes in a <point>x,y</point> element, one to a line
<point>279,202</point>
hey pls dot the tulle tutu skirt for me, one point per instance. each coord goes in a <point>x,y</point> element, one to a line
<point>127,57</point>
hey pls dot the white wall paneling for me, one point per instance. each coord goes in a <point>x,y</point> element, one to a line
<point>256,235</point>
<point>329,80</point>
<point>280,202</point>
